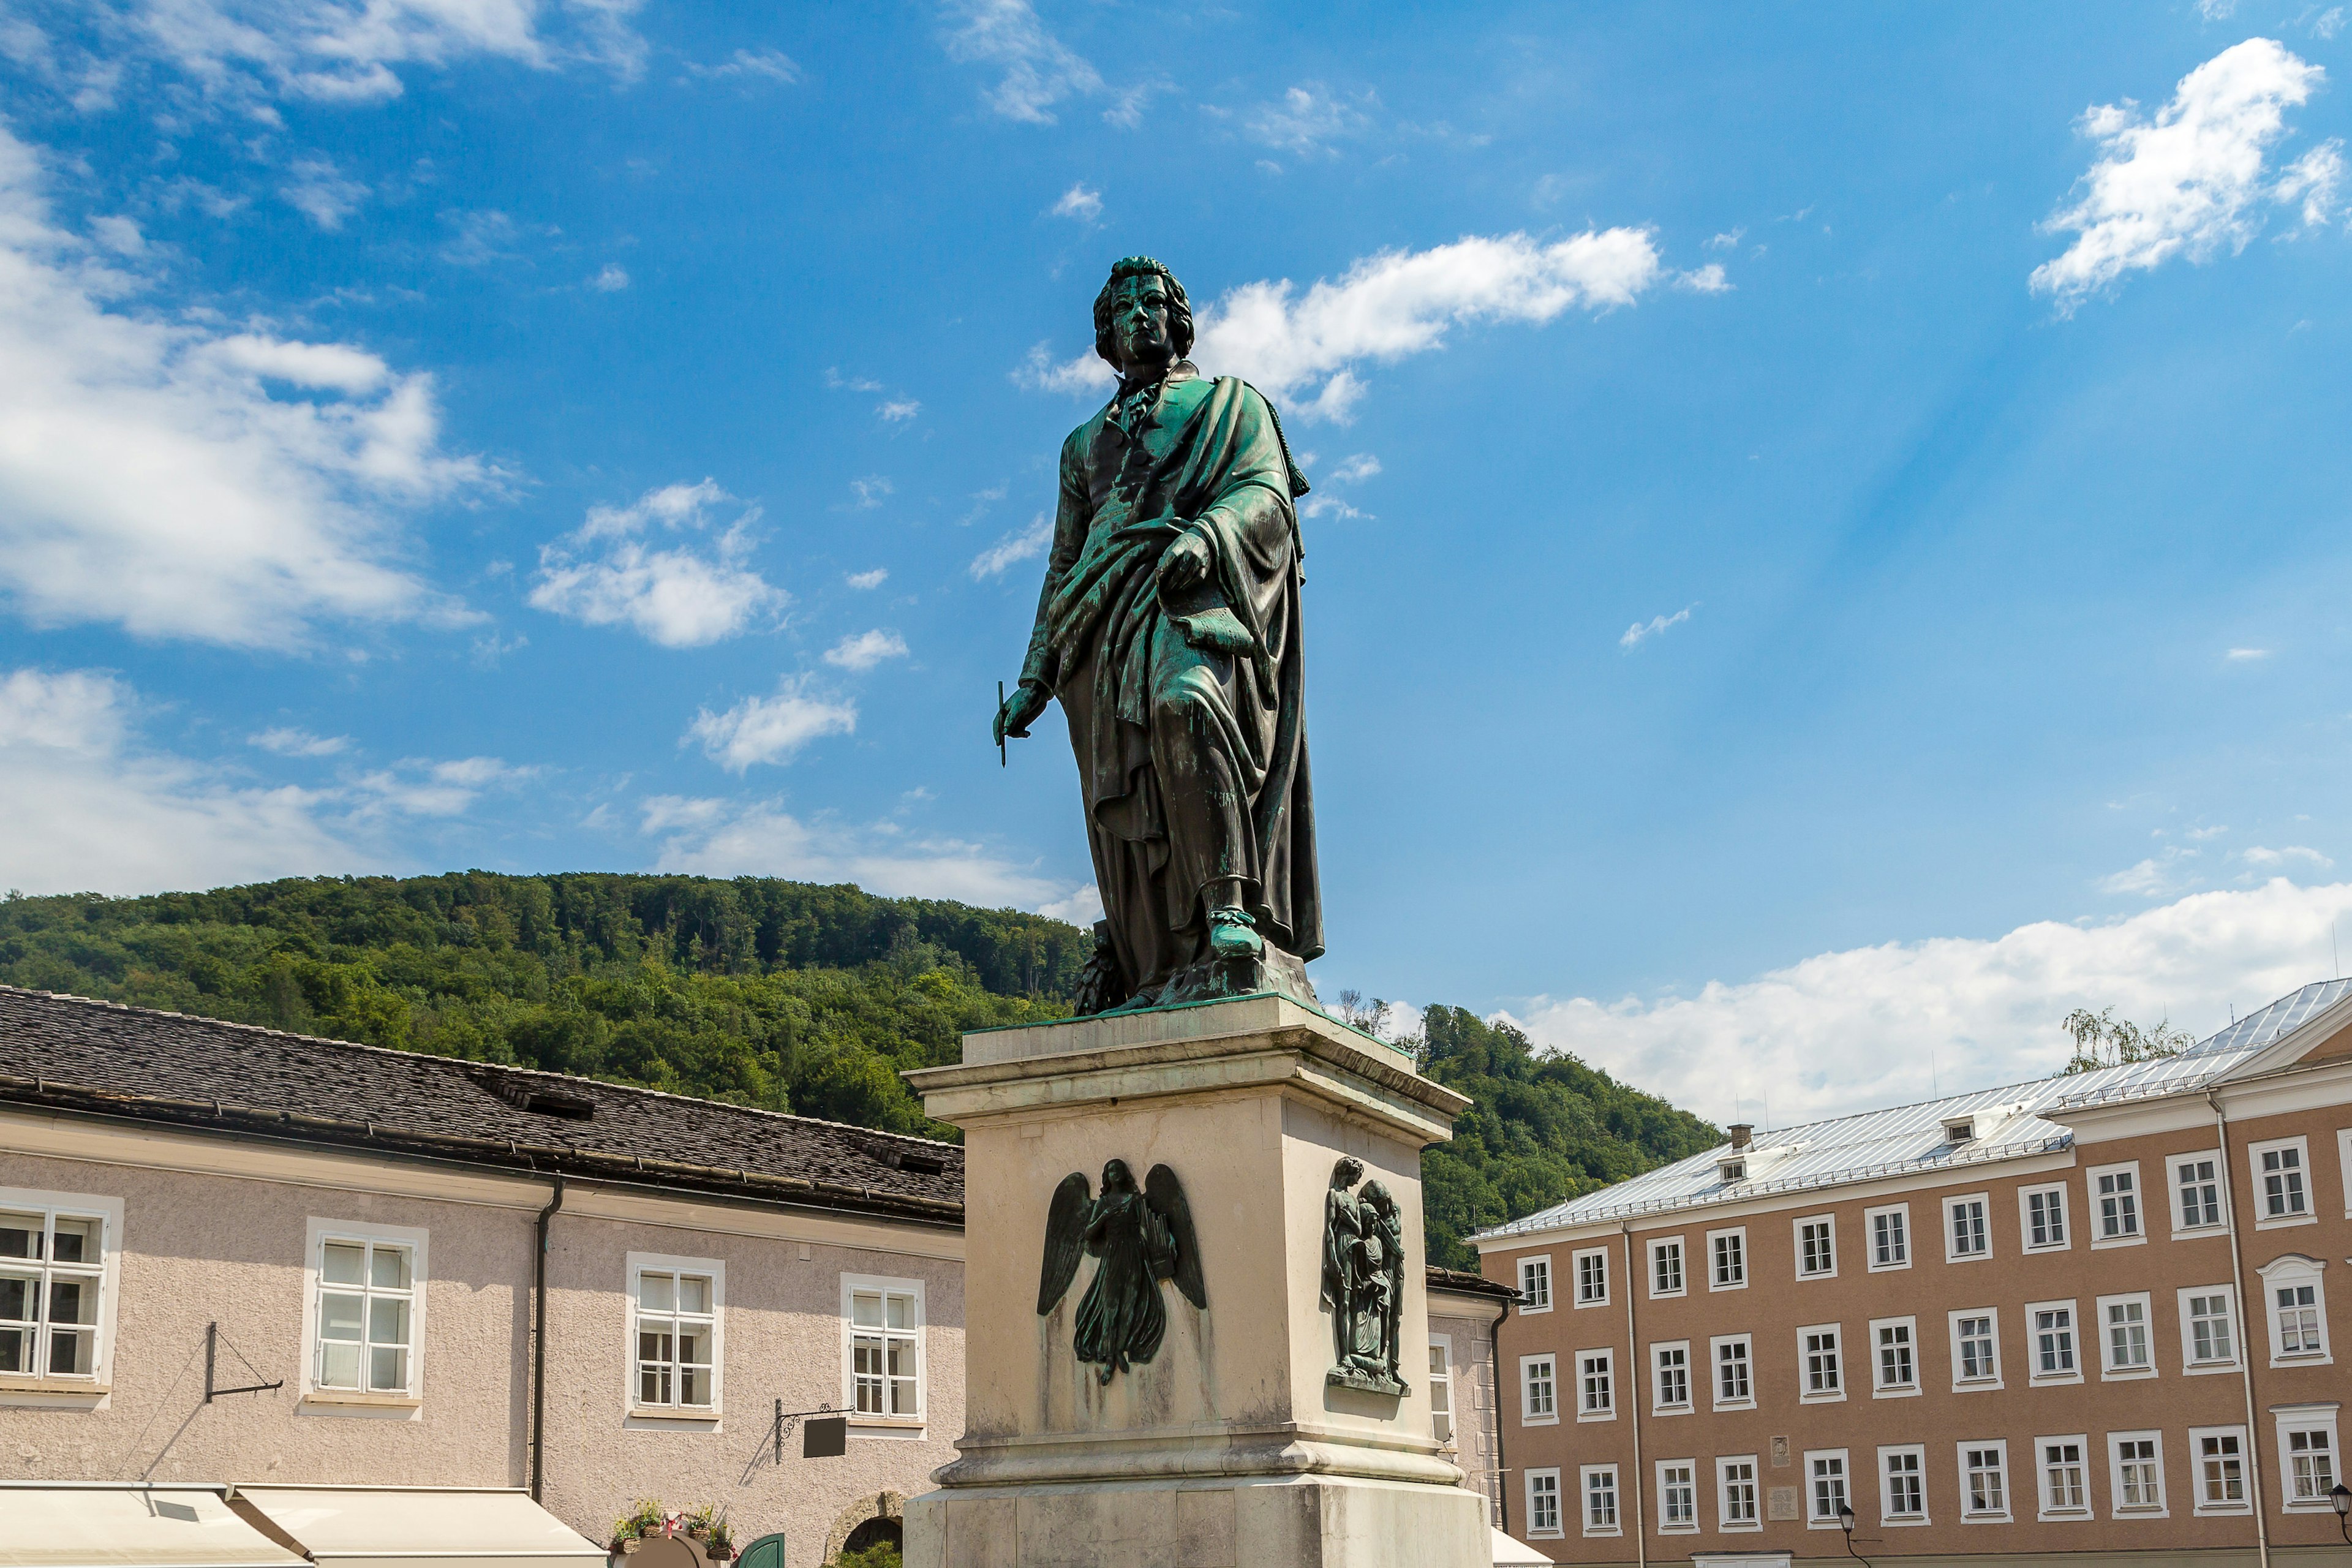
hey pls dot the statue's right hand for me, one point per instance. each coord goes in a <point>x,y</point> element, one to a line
<point>1020,710</point>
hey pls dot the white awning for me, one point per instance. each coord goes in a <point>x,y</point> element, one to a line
<point>420,1526</point>
<point>130,1526</point>
<point>1510,1554</point>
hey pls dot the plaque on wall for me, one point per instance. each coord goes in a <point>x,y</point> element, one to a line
<point>1782,1502</point>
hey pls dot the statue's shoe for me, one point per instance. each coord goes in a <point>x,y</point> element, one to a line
<point>1233,934</point>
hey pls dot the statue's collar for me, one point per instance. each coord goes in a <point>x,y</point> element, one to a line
<point>1182,370</point>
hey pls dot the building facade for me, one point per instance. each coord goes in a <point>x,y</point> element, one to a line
<point>2095,1313</point>
<point>1465,1315</point>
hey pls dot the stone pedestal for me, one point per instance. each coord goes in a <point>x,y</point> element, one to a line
<point>1233,1447</point>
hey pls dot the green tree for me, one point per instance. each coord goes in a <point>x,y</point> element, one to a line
<point>2104,1040</point>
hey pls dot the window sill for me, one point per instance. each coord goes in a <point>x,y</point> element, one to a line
<point>14,1383</point>
<point>2309,1505</point>
<point>1967,1257</point>
<point>1678,1529</point>
<point>1586,1418</point>
<point>1535,1311</point>
<point>1889,1268</point>
<point>1809,1279</point>
<point>2191,1232</point>
<point>1668,1295</point>
<point>1539,1420</point>
<point>1581,1305</point>
<point>1905,1521</point>
<point>1742,1285</point>
<point>1978,1386</point>
<point>687,1415</point>
<point>1723,1404</point>
<point>1749,1527</point>
<point>53,1393</point>
<point>888,1423</point>
<point>356,1397</point>
<point>2054,1380</point>
<point>2207,1368</point>
<point>2222,1510</point>
<point>1821,1398</point>
<point>2038,1251</point>
<point>2103,1243</point>
<point>1658,1411</point>
<point>2285,1221</point>
<point>1602,1534</point>
<point>2124,1513</point>
<point>1905,1393</point>
<point>2067,1515</point>
<point>1986,1519</point>
<point>2127,1374</point>
<point>2301,1358</point>
<point>1822,1524</point>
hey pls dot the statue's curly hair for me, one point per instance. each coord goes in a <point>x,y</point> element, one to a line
<point>1180,326</point>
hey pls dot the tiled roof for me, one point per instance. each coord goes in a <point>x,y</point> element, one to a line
<point>71,1053</point>
<point>1440,1279</point>
<point>1910,1139</point>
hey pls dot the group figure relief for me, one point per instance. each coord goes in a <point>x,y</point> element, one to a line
<point>1364,1281</point>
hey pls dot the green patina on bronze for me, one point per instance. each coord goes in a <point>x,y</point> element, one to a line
<point>1142,1237</point>
<point>1168,630</point>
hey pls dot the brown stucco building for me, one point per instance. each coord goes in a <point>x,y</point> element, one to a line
<point>2092,1314</point>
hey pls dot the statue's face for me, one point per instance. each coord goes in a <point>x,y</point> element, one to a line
<point>1115,1177</point>
<point>1141,329</point>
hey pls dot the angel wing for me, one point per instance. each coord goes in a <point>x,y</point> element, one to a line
<point>1065,1239</point>
<point>1165,1193</point>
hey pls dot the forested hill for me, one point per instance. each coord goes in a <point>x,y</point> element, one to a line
<point>783,994</point>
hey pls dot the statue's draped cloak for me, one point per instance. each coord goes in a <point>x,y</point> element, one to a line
<point>1188,717</point>
<point>1121,1318</point>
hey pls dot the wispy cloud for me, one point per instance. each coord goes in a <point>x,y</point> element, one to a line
<point>1020,545</point>
<point>1707,280</point>
<point>865,650</point>
<point>770,728</point>
<point>868,493</point>
<point>320,192</point>
<point>2193,178</point>
<point>749,64</point>
<point>1037,72</point>
<point>2246,655</point>
<point>1084,375</point>
<point>2293,853</point>
<point>612,279</point>
<point>1354,469</point>
<point>1080,203</point>
<point>1307,120</point>
<point>865,580</point>
<point>688,596</point>
<point>899,410</point>
<point>294,743</point>
<point>1642,631</point>
<point>729,838</point>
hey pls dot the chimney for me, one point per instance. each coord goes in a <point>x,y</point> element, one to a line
<point>1742,1135</point>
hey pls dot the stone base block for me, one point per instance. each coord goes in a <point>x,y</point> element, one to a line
<point>1299,1522</point>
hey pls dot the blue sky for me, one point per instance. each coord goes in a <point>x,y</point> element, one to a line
<point>1829,545</point>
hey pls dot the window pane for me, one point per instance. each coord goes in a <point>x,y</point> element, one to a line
<point>342,1263</point>
<point>339,1366</point>
<point>20,1295</point>
<point>70,1350</point>
<point>16,1346</point>
<point>902,1311</point>
<point>653,1385</point>
<point>388,1322</point>
<point>20,1234</point>
<point>387,1369</point>
<point>389,1268</point>
<point>73,1301</point>
<point>694,1385</point>
<point>75,1239</point>
<point>693,1345</point>
<point>658,1293</point>
<point>693,1293</point>
<point>338,1317</point>
<point>866,1309</point>
<point>652,1342</point>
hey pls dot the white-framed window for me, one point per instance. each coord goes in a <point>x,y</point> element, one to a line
<point>2050,1330</point>
<point>1888,1231</point>
<point>1543,1502</point>
<point>1593,1277</point>
<point>1596,1385</point>
<point>2282,1171</point>
<point>2209,1330</point>
<point>2136,1474</point>
<point>2125,1347</point>
<point>2195,1191</point>
<point>882,1350</point>
<point>1735,1493</point>
<point>2219,1453</point>
<point>1666,1266</point>
<point>1984,1481</point>
<point>1670,1377</point>
<point>365,1325</point>
<point>1817,1247</point>
<point>1976,1348</point>
<point>1440,1387</point>
<point>2115,1204</point>
<point>2298,1310</point>
<point>1599,1483</point>
<point>675,1306</point>
<point>2059,1468</point>
<point>1727,1252</point>
<point>1820,1365</point>
<point>59,1266</point>
<point>1678,1497</point>
<point>2041,1218</point>
<point>1894,1364</point>
<point>1967,1230</point>
<point>1539,1391</point>
<point>1826,1487</point>
<point>2308,1468</point>
<point>1734,1383</point>
<point>1535,1286</point>
<point>1903,1484</point>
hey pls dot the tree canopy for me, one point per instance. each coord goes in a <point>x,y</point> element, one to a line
<point>782,994</point>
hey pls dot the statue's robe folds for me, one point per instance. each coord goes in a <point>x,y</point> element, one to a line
<point>1187,711</point>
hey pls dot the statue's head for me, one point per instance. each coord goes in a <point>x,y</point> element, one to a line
<point>1141,316</point>
<point>1378,1199</point>
<point>1118,1178</point>
<point>1347,1172</point>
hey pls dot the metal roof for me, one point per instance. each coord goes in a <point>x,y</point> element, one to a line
<point>1911,1139</point>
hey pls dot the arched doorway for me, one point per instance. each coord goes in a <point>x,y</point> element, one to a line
<point>870,1528</point>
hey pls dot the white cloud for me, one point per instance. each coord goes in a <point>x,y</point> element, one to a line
<point>1308,119</point>
<point>1354,469</point>
<point>2217,10</point>
<point>2328,23</point>
<point>482,238</point>
<point>1641,631</point>
<point>833,378</point>
<point>1401,302</point>
<point>605,575</point>
<point>866,650</point>
<point>294,743</point>
<point>2256,855</point>
<point>770,728</point>
<point>716,838</point>
<point>2190,179</point>
<point>149,475</point>
<point>419,787</point>
<point>768,64</point>
<point>1013,547</point>
<point>869,491</point>
<point>1039,72</point>
<point>2150,879</point>
<point>1081,908</point>
<point>318,190</point>
<point>1087,375</point>
<point>865,580</point>
<point>1728,241</point>
<point>2246,655</point>
<point>1856,1030</point>
<point>343,51</point>
<point>2314,180</point>
<point>1707,280</point>
<point>1079,203</point>
<point>900,409</point>
<point>92,810</point>
<point>612,279</point>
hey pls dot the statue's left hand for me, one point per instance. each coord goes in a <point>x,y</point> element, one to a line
<point>1186,561</point>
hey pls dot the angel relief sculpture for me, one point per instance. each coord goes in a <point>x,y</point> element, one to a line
<point>1142,1237</point>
